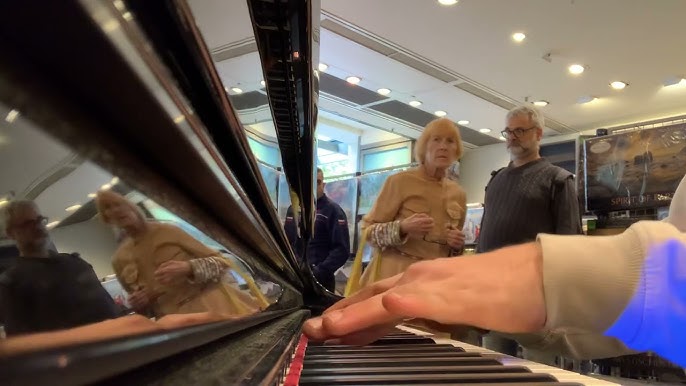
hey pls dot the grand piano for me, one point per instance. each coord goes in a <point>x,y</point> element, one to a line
<point>132,87</point>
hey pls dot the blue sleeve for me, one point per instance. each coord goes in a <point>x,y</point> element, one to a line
<point>655,319</point>
<point>340,242</point>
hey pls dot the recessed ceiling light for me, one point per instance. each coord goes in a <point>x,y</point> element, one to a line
<point>618,85</point>
<point>52,224</point>
<point>236,90</point>
<point>585,99</point>
<point>674,81</point>
<point>92,195</point>
<point>106,186</point>
<point>518,37</point>
<point>463,122</point>
<point>485,131</point>
<point>4,202</point>
<point>440,113</point>
<point>415,103</point>
<point>72,208</point>
<point>383,91</point>
<point>114,181</point>
<point>353,80</point>
<point>576,69</point>
<point>262,83</point>
<point>179,119</point>
<point>448,2</point>
<point>323,66</point>
<point>12,116</point>
<point>540,103</point>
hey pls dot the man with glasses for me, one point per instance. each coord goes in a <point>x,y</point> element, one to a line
<point>329,248</point>
<point>528,197</point>
<point>45,290</point>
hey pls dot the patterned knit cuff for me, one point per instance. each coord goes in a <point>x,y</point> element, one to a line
<point>386,234</point>
<point>206,269</point>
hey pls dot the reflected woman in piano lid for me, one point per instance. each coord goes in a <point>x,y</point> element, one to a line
<point>166,271</point>
<point>419,213</point>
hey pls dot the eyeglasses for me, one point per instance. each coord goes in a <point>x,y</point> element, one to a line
<point>436,241</point>
<point>517,132</point>
<point>42,220</point>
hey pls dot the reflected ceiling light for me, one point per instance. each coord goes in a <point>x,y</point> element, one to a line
<point>106,186</point>
<point>73,207</point>
<point>502,138</point>
<point>114,181</point>
<point>262,83</point>
<point>415,103</point>
<point>236,90</point>
<point>52,224</point>
<point>674,81</point>
<point>127,16</point>
<point>12,116</point>
<point>92,195</point>
<point>440,113</point>
<point>585,99</point>
<point>383,91</point>
<point>323,67</point>
<point>485,130</point>
<point>4,202</point>
<point>463,122</point>
<point>518,37</point>
<point>353,79</point>
<point>448,2</point>
<point>540,103</point>
<point>576,69</point>
<point>618,85</point>
<point>179,119</point>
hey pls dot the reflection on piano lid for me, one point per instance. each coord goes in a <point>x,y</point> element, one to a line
<point>414,357</point>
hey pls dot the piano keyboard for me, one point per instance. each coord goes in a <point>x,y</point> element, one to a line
<point>418,358</point>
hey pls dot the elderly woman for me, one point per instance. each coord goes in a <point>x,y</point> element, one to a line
<point>419,213</point>
<point>166,270</point>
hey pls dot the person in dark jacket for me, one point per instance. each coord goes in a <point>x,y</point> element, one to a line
<point>45,290</point>
<point>329,248</point>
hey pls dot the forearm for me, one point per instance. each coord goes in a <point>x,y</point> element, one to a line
<point>386,234</point>
<point>207,269</point>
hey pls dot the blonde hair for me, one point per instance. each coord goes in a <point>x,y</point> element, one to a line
<point>437,125</point>
<point>105,197</point>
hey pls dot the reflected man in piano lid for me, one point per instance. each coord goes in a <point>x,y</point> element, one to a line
<point>578,296</point>
<point>166,271</point>
<point>419,213</point>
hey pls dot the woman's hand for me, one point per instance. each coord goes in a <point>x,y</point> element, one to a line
<point>172,270</point>
<point>455,238</point>
<point>139,299</point>
<point>419,224</point>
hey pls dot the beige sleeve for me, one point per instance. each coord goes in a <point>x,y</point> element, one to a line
<point>588,281</point>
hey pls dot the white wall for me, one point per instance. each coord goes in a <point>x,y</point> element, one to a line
<point>476,167</point>
<point>92,239</point>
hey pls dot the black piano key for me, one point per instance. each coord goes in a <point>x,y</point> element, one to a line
<point>386,355</point>
<point>400,362</point>
<point>415,370</point>
<point>408,379</point>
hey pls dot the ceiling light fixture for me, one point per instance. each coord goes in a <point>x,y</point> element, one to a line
<point>585,99</point>
<point>52,224</point>
<point>106,186</point>
<point>237,90</point>
<point>415,103</point>
<point>12,116</point>
<point>674,81</point>
<point>440,113</point>
<point>179,119</point>
<point>383,91</point>
<point>4,202</point>
<point>448,2</point>
<point>540,103</point>
<point>518,37</point>
<point>262,83</point>
<point>92,195</point>
<point>323,66</point>
<point>485,130</point>
<point>502,138</point>
<point>576,69</point>
<point>73,207</point>
<point>618,85</point>
<point>353,79</point>
<point>463,122</point>
<point>114,181</point>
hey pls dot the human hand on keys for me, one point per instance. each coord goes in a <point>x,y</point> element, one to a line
<point>500,290</point>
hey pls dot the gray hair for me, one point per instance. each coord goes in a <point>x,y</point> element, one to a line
<point>534,115</point>
<point>15,206</point>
